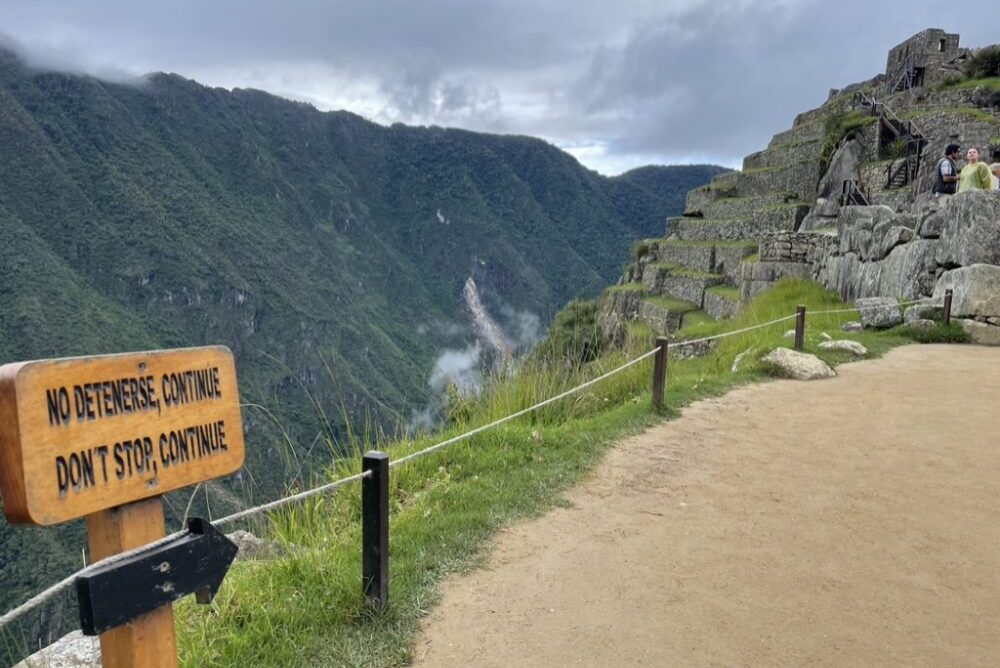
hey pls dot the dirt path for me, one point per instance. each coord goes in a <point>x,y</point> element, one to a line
<point>848,522</point>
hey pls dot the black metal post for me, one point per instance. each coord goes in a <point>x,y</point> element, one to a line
<point>947,307</point>
<point>800,327</point>
<point>375,528</point>
<point>660,370</point>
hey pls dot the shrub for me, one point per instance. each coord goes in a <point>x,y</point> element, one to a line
<point>838,127</point>
<point>575,335</point>
<point>983,63</point>
<point>896,149</point>
<point>640,249</point>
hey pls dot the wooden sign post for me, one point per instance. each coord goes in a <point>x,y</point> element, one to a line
<point>103,438</point>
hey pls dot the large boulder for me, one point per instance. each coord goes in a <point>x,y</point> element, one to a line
<point>879,312</point>
<point>856,228</point>
<point>800,366</point>
<point>933,222</point>
<point>981,333</point>
<point>908,272</point>
<point>976,290</point>
<point>252,548</point>
<point>853,347</point>
<point>843,167</point>
<point>971,234</point>
<point>896,235</point>
<point>920,312</point>
<point>73,650</point>
<point>922,324</point>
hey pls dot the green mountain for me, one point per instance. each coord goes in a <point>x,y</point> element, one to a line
<point>328,252</point>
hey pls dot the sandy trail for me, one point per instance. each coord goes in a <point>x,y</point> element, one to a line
<point>848,522</point>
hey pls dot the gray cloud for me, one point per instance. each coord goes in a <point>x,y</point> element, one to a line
<point>460,368</point>
<point>617,84</point>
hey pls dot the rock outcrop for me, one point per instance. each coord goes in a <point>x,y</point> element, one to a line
<point>976,290</point>
<point>73,650</point>
<point>981,332</point>
<point>799,366</point>
<point>879,312</point>
<point>971,231</point>
<point>853,347</point>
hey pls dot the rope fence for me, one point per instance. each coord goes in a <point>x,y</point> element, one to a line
<point>930,301</point>
<point>374,476</point>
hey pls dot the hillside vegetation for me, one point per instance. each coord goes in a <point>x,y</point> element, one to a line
<point>328,252</point>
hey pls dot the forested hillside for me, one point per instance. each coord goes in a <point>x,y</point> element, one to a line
<point>327,251</point>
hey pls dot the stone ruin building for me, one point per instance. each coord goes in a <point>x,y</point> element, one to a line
<point>931,51</point>
<point>842,197</point>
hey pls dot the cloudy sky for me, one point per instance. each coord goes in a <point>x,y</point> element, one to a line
<point>617,84</point>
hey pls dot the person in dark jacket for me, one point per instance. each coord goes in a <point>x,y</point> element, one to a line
<point>946,173</point>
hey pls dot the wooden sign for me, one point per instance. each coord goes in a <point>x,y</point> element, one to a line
<point>85,434</point>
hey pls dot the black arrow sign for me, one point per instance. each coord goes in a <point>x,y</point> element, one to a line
<point>120,592</point>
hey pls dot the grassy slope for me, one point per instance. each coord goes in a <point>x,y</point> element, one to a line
<point>306,609</point>
<point>990,83</point>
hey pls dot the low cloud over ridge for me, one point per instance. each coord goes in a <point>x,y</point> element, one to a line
<point>616,84</point>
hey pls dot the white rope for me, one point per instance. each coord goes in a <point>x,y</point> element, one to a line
<point>832,311</point>
<point>284,501</point>
<point>495,423</point>
<point>68,581</point>
<point>927,300</point>
<point>732,333</point>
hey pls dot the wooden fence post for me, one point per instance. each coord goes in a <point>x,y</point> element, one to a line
<point>375,528</point>
<point>800,327</point>
<point>146,642</point>
<point>660,370</point>
<point>947,307</point>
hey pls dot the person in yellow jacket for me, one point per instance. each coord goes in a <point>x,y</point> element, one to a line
<point>975,174</point>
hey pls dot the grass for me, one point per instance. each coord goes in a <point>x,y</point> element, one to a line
<point>726,292</point>
<point>642,248</point>
<point>751,258</point>
<point>952,333</point>
<point>669,304</point>
<point>305,609</point>
<point>968,112</point>
<point>715,221</point>
<point>627,287</point>
<point>695,319</point>
<point>675,269</point>
<point>992,84</point>
<point>839,126</point>
<point>793,144</point>
<point>684,243</point>
<point>723,187</point>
